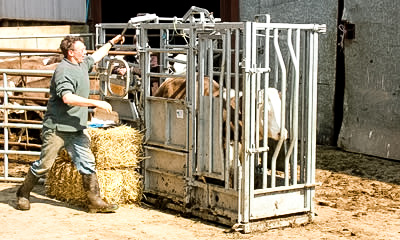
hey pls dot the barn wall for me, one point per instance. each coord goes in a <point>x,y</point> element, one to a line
<point>309,11</point>
<point>73,11</point>
<point>371,123</point>
<point>37,43</point>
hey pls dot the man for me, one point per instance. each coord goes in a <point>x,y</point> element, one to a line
<point>65,122</point>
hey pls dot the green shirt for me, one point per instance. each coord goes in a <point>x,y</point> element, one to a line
<point>68,78</point>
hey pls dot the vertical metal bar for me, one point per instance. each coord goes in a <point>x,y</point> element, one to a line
<point>236,124</point>
<point>201,134</point>
<point>309,119</point>
<point>253,109</point>
<point>237,181</point>
<point>192,103</point>
<point>314,118</point>
<point>283,103</point>
<point>226,51</point>
<point>296,108</point>
<point>293,145</point>
<point>247,123</point>
<point>237,154</point>
<point>5,121</point>
<point>303,119</point>
<point>210,116</point>
<point>266,120</point>
<point>224,145</point>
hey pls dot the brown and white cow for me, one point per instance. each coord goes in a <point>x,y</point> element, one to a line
<point>175,88</point>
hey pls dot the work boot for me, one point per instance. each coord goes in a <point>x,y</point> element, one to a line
<point>96,204</point>
<point>24,191</point>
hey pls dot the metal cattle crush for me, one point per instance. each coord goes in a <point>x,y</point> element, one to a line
<point>209,155</point>
<point>209,159</point>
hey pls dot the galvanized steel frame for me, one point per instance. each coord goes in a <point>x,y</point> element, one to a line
<point>245,191</point>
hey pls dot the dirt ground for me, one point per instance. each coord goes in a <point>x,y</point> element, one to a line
<point>359,198</point>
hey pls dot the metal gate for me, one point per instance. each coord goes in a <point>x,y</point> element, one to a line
<point>214,155</point>
<point>211,159</point>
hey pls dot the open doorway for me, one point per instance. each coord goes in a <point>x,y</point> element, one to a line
<point>125,9</point>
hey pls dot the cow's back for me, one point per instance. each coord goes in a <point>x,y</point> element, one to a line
<point>175,87</point>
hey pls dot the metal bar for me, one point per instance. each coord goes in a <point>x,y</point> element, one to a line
<point>5,130</point>
<point>253,110</point>
<point>29,108</point>
<point>321,28</point>
<point>296,107</point>
<point>265,117</point>
<point>310,120</point>
<point>284,188</point>
<point>49,36</point>
<point>28,98</point>
<point>11,179</point>
<point>22,121</point>
<point>226,61</point>
<point>35,50</point>
<point>191,64</point>
<point>237,165</point>
<point>247,123</point>
<point>201,54</point>
<point>18,89</point>
<point>20,152</point>
<point>166,50</point>
<point>22,144</point>
<point>165,75</point>
<point>210,96</point>
<point>21,125</point>
<point>283,92</point>
<point>293,145</point>
<point>314,118</point>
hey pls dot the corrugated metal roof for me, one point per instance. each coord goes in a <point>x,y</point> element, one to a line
<point>44,10</point>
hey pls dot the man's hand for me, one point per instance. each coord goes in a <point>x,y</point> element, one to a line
<point>104,105</point>
<point>103,51</point>
<point>117,39</point>
<point>75,100</point>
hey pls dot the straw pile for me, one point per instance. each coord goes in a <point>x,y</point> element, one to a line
<point>117,152</point>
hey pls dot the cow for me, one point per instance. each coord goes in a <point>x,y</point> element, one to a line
<point>175,88</point>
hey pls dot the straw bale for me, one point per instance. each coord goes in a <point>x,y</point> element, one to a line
<point>64,182</point>
<point>117,147</point>
<point>118,154</point>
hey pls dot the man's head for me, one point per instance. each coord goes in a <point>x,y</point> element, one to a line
<point>73,49</point>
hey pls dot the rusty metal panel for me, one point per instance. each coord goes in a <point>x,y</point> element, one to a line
<point>44,10</point>
<point>371,114</point>
<point>168,124</point>
<point>165,172</point>
<point>209,144</point>
<point>279,203</point>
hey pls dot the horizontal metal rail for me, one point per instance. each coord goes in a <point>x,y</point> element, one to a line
<point>33,50</point>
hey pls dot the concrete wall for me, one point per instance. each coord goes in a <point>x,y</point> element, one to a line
<point>371,123</point>
<point>316,12</point>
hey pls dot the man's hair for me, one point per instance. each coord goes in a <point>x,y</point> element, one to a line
<point>68,44</point>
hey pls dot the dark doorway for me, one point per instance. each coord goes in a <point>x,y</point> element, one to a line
<point>122,11</point>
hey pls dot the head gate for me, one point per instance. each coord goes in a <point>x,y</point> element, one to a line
<point>230,137</point>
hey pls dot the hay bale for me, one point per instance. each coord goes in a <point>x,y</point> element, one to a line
<point>116,148</point>
<point>64,183</point>
<point>118,153</point>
